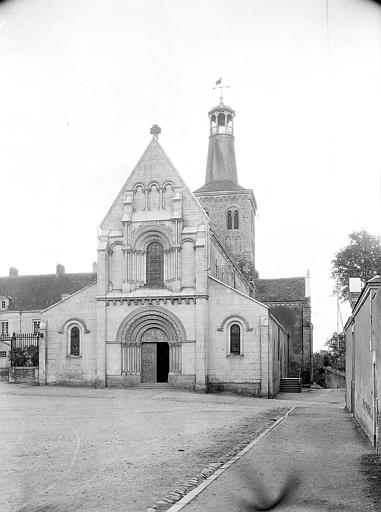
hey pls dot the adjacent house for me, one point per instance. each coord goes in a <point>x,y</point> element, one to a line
<point>363,358</point>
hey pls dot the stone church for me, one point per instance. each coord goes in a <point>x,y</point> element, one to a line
<point>175,297</point>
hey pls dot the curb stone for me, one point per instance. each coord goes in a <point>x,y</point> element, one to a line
<point>206,476</point>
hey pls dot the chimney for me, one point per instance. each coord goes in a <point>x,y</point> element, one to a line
<point>13,272</point>
<point>94,267</point>
<point>355,286</point>
<point>60,269</point>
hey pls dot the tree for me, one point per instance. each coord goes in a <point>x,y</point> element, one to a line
<point>246,266</point>
<point>321,360</point>
<point>333,357</point>
<point>360,258</point>
<point>336,349</point>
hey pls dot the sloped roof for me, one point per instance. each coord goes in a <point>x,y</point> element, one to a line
<point>36,292</point>
<point>219,186</point>
<point>283,289</point>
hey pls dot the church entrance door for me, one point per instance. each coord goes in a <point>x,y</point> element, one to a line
<point>155,356</point>
<point>149,362</point>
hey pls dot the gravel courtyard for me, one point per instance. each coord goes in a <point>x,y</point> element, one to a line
<point>80,449</point>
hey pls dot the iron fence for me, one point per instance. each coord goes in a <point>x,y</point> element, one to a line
<point>24,348</point>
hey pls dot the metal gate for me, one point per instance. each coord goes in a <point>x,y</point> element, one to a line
<point>24,349</point>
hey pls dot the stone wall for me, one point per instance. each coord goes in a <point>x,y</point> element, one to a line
<point>362,371</point>
<point>334,379</point>
<point>237,241</point>
<point>222,268</point>
<point>62,368</point>
<point>226,371</point>
<point>23,375</point>
<point>296,318</point>
<point>279,350</point>
<point>377,337</point>
<point>181,309</point>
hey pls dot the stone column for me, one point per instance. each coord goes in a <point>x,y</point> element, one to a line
<point>201,327</point>
<point>201,316</point>
<point>42,354</point>
<point>264,342</point>
<point>100,379</point>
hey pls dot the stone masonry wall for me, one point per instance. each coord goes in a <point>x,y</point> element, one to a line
<point>237,241</point>
<point>226,371</point>
<point>61,367</point>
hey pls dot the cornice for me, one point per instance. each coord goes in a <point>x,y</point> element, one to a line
<point>151,300</point>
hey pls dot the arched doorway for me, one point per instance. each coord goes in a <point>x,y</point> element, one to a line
<point>155,355</point>
<point>151,342</point>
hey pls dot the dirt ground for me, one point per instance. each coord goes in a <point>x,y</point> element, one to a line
<point>315,460</point>
<point>371,467</point>
<point>78,449</point>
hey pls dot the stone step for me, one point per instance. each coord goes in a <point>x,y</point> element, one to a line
<point>153,385</point>
<point>290,385</point>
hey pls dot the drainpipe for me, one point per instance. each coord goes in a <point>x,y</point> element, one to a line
<point>372,348</point>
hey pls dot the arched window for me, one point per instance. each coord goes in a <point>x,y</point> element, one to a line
<point>155,265</point>
<point>235,339</point>
<point>74,341</point>
<point>230,225</point>
<point>236,219</point>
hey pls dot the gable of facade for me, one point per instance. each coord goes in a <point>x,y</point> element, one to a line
<point>149,235</point>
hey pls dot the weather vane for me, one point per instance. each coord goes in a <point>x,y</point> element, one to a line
<point>220,86</point>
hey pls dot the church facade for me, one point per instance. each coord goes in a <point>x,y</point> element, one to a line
<point>171,300</point>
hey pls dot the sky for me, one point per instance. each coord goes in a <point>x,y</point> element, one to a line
<point>82,82</point>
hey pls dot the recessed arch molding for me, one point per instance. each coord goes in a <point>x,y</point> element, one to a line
<point>135,325</point>
<point>231,318</point>
<point>74,321</point>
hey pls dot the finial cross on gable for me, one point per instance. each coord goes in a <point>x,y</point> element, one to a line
<point>155,130</point>
<point>220,86</point>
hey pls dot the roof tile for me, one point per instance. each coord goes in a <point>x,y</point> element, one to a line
<point>283,289</point>
<point>36,292</point>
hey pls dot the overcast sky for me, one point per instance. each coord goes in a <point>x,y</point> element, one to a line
<point>82,82</point>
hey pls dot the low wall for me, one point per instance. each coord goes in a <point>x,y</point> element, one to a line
<point>23,375</point>
<point>240,388</point>
<point>4,374</point>
<point>334,379</point>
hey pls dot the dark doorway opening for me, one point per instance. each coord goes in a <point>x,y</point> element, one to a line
<point>162,362</point>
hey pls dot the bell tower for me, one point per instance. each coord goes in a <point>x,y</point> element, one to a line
<point>230,207</point>
<point>221,164</point>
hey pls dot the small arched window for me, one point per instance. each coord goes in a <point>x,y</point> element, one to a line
<point>155,265</point>
<point>74,341</point>
<point>235,339</point>
<point>229,220</point>
<point>236,219</point>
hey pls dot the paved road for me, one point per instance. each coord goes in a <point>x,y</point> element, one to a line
<point>315,452</point>
<point>98,450</point>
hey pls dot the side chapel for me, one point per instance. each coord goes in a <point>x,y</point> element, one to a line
<point>169,302</point>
